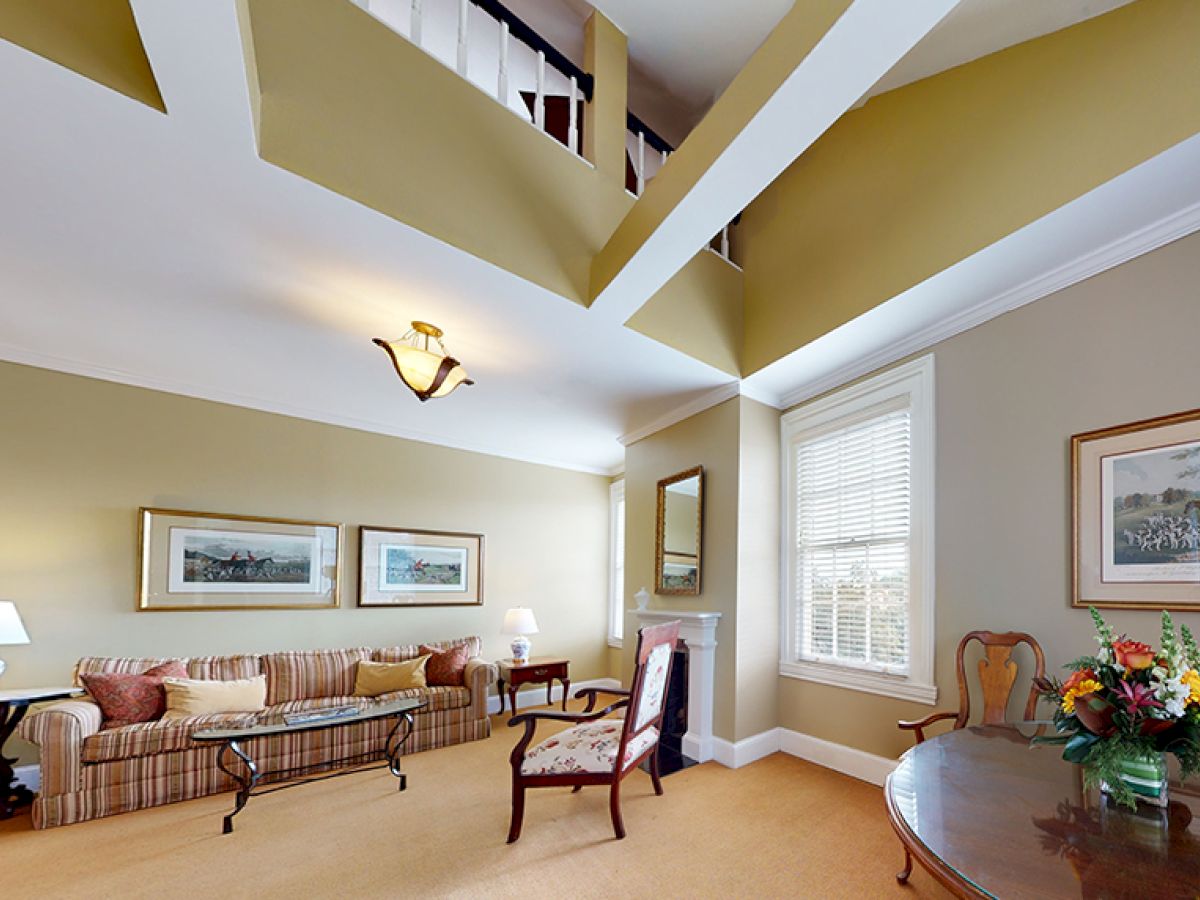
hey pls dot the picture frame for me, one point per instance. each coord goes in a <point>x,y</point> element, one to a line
<point>200,561</point>
<point>1136,515</point>
<point>417,567</point>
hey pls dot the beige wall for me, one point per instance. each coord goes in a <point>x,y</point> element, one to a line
<point>922,177</point>
<point>1116,348</point>
<point>79,457</point>
<point>708,439</point>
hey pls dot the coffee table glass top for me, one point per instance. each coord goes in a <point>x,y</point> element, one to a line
<point>39,695</point>
<point>275,724</point>
<point>1008,819</point>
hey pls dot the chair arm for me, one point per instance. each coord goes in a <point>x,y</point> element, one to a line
<point>592,695</point>
<point>920,725</point>
<point>530,720</point>
<point>60,730</point>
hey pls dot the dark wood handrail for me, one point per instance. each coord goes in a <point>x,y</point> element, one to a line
<point>526,35</point>
<point>518,29</point>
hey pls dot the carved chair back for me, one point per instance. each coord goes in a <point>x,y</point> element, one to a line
<point>997,675</point>
<point>651,675</point>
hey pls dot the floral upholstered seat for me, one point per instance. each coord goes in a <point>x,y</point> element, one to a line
<point>590,747</point>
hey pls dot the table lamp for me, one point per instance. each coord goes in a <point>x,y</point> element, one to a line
<point>12,631</point>
<point>520,621</point>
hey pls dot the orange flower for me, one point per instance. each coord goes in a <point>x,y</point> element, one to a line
<point>1078,676</point>
<point>1083,688</point>
<point>1192,679</point>
<point>1133,654</point>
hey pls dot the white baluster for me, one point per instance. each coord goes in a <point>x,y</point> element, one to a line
<point>725,242</point>
<point>539,103</point>
<point>502,84</point>
<point>462,37</point>
<point>664,159</point>
<point>414,22</point>
<point>641,166</point>
<point>573,126</point>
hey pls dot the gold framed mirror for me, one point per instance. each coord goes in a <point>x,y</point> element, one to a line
<point>679,534</point>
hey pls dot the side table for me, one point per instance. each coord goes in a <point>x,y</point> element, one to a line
<point>533,671</point>
<point>13,706</point>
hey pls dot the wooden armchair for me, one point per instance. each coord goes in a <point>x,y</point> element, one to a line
<point>997,675</point>
<point>595,750</point>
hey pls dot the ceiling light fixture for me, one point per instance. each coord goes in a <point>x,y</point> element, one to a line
<point>427,372</point>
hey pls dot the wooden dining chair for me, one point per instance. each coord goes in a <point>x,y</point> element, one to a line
<point>596,750</point>
<point>997,675</point>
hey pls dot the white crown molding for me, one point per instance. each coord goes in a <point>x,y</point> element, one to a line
<point>1137,243</point>
<point>686,411</point>
<point>23,356</point>
<point>536,696</point>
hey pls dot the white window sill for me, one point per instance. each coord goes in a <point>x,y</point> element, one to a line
<point>896,686</point>
<point>616,642</point>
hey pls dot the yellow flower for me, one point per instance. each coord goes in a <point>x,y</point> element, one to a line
<point>1085,687</point>
<point>1192,679</point>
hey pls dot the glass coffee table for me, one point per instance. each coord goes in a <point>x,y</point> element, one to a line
<point>239,742</point>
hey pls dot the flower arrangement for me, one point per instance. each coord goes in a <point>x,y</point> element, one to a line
<point>1126,706</point>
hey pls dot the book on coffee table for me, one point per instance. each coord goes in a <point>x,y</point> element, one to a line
<point>320,715</point>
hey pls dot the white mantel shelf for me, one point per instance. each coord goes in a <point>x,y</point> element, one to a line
<point>698,629</point>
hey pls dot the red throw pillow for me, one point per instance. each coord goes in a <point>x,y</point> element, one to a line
<point>445,667</point>
<point>124,698</point>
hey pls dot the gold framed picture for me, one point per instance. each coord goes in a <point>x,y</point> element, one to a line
<point>210,561</point>
<point>412,567</point>
<point>1136,514</point>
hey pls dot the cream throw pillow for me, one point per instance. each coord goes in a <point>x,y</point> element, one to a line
<point>375,678</point>
<point>199,697</point>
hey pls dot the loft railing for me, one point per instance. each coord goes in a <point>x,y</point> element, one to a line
<point>503,56</point>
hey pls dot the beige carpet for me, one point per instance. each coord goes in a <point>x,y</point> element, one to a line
<point>778,828</point>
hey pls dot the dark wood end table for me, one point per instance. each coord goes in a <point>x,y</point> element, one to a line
<point>13,706</point>
<point>535,670</point>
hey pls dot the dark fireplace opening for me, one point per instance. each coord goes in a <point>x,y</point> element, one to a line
<point>675,720</point>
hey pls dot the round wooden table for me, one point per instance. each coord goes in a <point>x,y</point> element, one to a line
<point>989,815</point>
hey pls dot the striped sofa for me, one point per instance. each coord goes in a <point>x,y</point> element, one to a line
<point>90,771</point>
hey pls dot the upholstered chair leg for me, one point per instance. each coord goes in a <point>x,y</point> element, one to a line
<point>902,877</point>
<point>518,812</point>
<point>614,806</point>
<point>654,776</point>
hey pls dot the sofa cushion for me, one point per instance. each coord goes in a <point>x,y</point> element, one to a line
<point>148,738</point>
<point>127,665</point>
<point>306,674</point>
<point>375,678</point>
<point>402,652</point>
<point>446,667</point>
<point>187,697</point>
<point>125,698</point>
<point>224,668</point>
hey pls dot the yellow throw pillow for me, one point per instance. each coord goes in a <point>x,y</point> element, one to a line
<point>375,678</point>
<point>198,697</point>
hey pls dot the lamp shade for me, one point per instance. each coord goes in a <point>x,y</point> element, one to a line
<point>520,621</point>
<point>12,630</point>
<point>427,372</point>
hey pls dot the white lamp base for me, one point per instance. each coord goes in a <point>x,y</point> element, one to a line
<point>520,648</point>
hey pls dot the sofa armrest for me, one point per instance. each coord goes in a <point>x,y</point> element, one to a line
<point>479,675</point>
<point>60,730</point>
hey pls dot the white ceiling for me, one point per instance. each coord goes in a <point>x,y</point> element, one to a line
<point>160,251</point>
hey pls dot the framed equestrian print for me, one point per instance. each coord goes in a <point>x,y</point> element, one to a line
<point>207,561</point>
<point>410,567</point>
<point>1136,516</point>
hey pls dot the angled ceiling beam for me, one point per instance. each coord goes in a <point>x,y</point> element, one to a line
<point>816,64</point>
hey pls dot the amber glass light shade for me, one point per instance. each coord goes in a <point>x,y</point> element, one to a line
<point>429,371</point>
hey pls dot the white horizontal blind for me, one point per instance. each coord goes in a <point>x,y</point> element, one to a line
<point>853,512</point>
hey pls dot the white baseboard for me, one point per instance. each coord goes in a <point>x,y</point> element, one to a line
<point>536,694</point>
<point>30,776</point>
<point>747,750</point>
<point>847,760</point>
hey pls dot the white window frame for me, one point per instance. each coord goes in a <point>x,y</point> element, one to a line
<point>914,381</point>
<point>616,585</point>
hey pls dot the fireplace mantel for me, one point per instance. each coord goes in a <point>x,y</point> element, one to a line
<point>698,629</point>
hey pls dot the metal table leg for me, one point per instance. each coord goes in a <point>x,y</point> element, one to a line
<point>246,783</point>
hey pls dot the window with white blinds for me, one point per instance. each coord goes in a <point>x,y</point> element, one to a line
<point>616,592</point>
<point>859,567</point>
